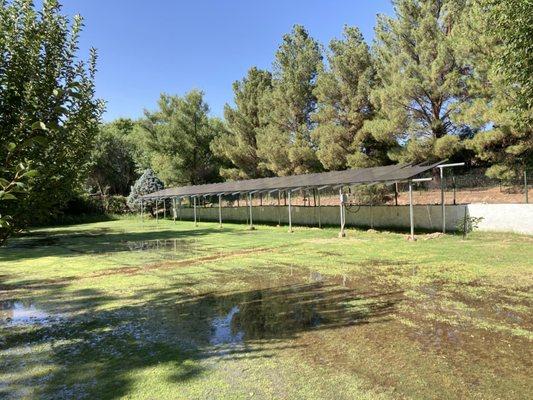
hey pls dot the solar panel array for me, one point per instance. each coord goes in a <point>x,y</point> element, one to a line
<point>389,173</point>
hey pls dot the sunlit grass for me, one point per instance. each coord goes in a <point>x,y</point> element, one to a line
<point>135,302</point>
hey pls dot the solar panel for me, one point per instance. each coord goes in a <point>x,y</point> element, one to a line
<point>389,173</point>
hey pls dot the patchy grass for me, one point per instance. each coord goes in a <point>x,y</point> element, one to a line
<point>122,309</point>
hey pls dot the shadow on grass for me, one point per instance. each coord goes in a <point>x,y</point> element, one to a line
<point>66,243</point>
<point>98,352</point>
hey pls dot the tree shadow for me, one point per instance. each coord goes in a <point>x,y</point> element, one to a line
<point>66,243</point>
<point>97,350</point>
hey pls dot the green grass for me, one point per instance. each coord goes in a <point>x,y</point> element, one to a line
<point>167,310</point>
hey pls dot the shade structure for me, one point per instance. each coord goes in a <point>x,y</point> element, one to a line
<point>389,173</point>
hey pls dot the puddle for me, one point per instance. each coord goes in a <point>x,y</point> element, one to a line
<point>16,313</point>
<point>282,308</point>
<point>224,331</point>
<point>164,244</point>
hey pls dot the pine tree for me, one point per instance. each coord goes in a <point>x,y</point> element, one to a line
<point>179,136</point>
<point>238,146</point>
<point>498,111</point>
<point>343,107</point>
<point>285,144</point>
<point>420,81</point>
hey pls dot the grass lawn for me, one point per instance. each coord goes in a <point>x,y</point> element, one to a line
<point>123,309</point>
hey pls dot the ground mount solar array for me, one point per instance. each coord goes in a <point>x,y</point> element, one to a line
<point>384,174</point>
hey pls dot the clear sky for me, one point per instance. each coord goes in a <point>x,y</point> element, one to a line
<point>147,47</point>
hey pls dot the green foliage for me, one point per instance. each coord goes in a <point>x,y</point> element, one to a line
<point>146,184</point>
<point>371,194</point>
<point>238,145</point>
<point>47,107</point>
<point>112,166</point>
<point>179,135</point>
<point>512,22</point>
<point>343,106</point>
<point>285,144</point>
<point>497,111</point>
<point>14,185</point>
<point>468,224</point>
<point>420,80</point>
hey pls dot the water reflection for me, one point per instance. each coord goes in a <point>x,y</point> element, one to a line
<point>280,312</point>
<point>224,331</point>
<point>21,313</point>
<point>163,244</point>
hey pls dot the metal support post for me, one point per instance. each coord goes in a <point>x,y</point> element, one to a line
<point>319,208</point>
<point>443,207</point>
<point>442,202</point>
<point>220,211</point>
<point>251,217</point>
<point>411,217</point>
<point>454,190</point>
<point>279,208</point>
<point>195,221</point>
<point>290,212</point>
<point>174,211</point>
<point>342,215</point>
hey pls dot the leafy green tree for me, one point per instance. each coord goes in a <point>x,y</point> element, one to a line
<point>14,188</point>
<point>147,183</point>
<point>285,144</point>
<point>112,166</point>
<point>238,146</point>
<point>497,112</point>
<point>46,92</point>
<point>344,105</point>
<point>420,80</point>
<point>179,137</point>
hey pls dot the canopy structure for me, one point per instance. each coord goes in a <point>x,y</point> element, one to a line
<point>335,179</point>
<point>390,173</point>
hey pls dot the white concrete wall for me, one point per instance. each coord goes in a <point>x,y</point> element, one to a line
<point>516,218</point>
<point>496,217</point>
<point>425,217</point>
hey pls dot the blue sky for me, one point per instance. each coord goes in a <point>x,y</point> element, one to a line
<point>149,47</point>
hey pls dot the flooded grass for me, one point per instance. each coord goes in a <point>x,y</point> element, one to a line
<point>169,311</point>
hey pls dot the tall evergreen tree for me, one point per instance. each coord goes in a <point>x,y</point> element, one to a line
<point>498,110</point>
<point>179,135</point>
<point>238,146</point>
<point>420,79</point>
<point>343,106</point>
<point>285,144</point>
